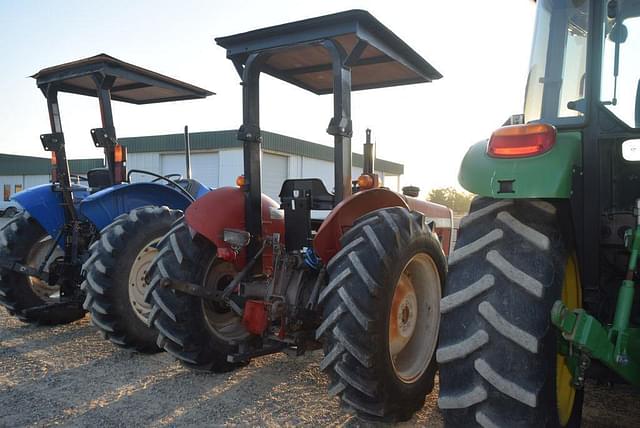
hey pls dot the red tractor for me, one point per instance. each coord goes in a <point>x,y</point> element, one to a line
<point>243,276</point>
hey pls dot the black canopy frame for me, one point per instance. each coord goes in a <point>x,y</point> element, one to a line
<point>334,54</point>
<point>106,78</point>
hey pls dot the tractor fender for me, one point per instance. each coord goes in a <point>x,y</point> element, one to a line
<point>548,175</point>
<point>442,218</point>
<point>224,208</point>
<point>327,241</point>
<point>107,204</point>
<point>45,205</point>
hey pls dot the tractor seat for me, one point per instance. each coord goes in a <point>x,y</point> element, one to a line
<point>299,198</point>
<point>98,179</point>
<point>310,189</point>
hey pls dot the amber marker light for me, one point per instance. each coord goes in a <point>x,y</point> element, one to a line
<point>519,141</point>
<point>365,181</point>
<point>54,167</point>
<point>240,181</point>
<point>118,153</point>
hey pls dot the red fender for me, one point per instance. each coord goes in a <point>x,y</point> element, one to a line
<point>341,218</point>
<point>223,208</point>
<point>441,216</point>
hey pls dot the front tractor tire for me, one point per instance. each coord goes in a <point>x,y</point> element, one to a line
<point>381,315</point>
<point>24,240</point>
<point>199,333</point>
<point>115,276</point>
<point>498,351</point>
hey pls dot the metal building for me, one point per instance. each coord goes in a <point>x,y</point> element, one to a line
<point>21,172</point>
<point>216,159</point>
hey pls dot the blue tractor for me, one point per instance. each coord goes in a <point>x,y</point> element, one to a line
<point>83,243</point>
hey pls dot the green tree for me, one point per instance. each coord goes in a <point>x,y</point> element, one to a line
<point>458,201</point>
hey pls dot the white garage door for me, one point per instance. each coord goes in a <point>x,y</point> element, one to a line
<point>35,180</point>
<point>275,170</point>
<point>204,166</point>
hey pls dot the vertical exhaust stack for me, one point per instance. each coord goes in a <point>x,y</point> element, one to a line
<point>369,179</point>
<point>369,153</point>
<point>187,151</point>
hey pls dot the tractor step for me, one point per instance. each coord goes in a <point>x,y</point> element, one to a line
<point>246,356</point>
<point>46,309</point>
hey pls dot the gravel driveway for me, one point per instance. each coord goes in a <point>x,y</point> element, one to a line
<point>69,376</point>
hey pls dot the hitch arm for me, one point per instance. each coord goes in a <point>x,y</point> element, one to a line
<point>188,288</point>
<point>23,269</point>
<point>199,291</point>
<point>592,338</point>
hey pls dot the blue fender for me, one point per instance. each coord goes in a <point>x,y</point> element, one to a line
<point>103,206</point>
<point>45,205</point>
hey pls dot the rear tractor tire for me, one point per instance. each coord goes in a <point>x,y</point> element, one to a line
<point>199,333</point>
<point>381,315</point>
<point>26,241</point>
<point>115,276</point>
<point>498,352</point>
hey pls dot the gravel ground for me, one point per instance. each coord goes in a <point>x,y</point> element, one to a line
<point>69,376</point>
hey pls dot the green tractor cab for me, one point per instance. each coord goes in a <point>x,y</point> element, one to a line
<point>541,283</point>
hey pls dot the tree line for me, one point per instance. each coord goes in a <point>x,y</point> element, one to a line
<point>458,201</point>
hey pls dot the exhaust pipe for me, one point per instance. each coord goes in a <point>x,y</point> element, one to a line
<point>369,154</point>
<point>187,151</point>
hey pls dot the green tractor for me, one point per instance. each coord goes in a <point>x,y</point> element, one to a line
<point>540,292</point>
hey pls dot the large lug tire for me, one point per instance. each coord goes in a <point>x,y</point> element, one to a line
<point>115,276</point>
<point>498,350</point>
<point>382,298</point>
<point>200,334</point>
<point>25,240</point>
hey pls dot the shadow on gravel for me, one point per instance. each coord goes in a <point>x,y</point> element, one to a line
<point>32,338</point>
<point>69,376</point>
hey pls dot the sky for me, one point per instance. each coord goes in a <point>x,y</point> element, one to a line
<point>480,47</point>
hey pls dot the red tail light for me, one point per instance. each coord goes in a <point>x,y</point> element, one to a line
<point>521,141</point>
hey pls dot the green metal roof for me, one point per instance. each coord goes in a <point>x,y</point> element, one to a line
<point>216,140</point>
<point>32,165</point>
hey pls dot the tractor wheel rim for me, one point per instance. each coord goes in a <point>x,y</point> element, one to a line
<point>35,258</point>
<point>414,318</point>
<point>221,320</point>
<point>138,280</point>
<point>565,391</point>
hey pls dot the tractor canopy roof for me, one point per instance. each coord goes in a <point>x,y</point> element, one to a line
<point>132,84</point>
<point>377,57</point>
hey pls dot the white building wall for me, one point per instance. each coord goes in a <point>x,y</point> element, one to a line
<point>146,161</point>
<point>10,181</point>
<point>231,166</point>
<point>295,166</point>
<point>275,170</point>
<point>35,180</point>
<point>315,168</point>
